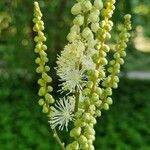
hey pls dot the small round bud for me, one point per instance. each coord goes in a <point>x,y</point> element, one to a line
<point>105,106</point>
<point>89,84</point>
<point>95,97</point>
<point>47,68</point>
<point>76,9</point>
<point>106,48</point>
<point>75,132</point>
<point>79,20</point>
<point>86,33</point>
<point>127,17</point>
<point>98,4</point>
<point>38,60</point>
<point>41,102</point>
<point>82,140</point>
<point>86,6</point>
<point>98,113</point>
<point>123,54</point>
<point>108,91</point>
<point>93,17</point>
<point>109,101</point>
<point>71,36</point>
<point>49,88</point>
<point>42,91</point>
<point>86,91</point>
<point>98,90</point>
<point>39,69</point>
<point>49,98</point>
<point>75,29</point>
<point>103,61</point>
<point>95,27</point>
<point>45,109</point>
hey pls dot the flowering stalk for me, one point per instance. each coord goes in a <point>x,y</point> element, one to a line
<point>44,92</point>
<point>85,74</point>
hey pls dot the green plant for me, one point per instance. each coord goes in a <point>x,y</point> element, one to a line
<point>87,76</point>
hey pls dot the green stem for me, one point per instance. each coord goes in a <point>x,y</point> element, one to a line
<point>55,134</point>
<point>77,102</point>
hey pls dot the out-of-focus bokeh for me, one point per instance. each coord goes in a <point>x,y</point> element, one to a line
<point>126,126</point>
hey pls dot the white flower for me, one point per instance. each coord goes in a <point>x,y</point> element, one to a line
<point>69,67</point>
<point>74,79</point>
<point>62,113</point>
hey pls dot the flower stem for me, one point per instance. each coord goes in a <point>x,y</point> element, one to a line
<point>55,134</point>
<point>77,102</point>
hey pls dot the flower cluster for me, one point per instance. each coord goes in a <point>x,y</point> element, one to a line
<point>84,70</point>
<point>62,113</point>
<point>41,60</point>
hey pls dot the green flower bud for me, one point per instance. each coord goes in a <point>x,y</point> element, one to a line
<point>92,109</point>
<point>45,109</point>
<point>82,140</point>
<point>79,20</point>
<point>93,17</point>
<point>76,9</point>
<point>95,97</point>
<point>39,69</point>
<point>95,58</point>
<point>49,88</point>
<point>46,77</point>
<point>120,61</point>
<point>75,29</point>
<point>91,147</point>
<point>105,106</point>
<point>98,113</point>
<point>38,60</point>
<point>49,98</point>
<point>42,91</point>
<point>112,62</point>
<point>47,68</point>
<point>86,33</point>
<point>108,91</point>
<point>98,4</point>
<point>123,54</point>
<point>86,117</point>
<point>71,36</point>
<point>89,84</point>
<point>102,74</point>
<point>103,61</point>
<point>79,123</point>
<point>115,85</point>
<point>98,103</point>
<point>41,82</point>
<point>98,90</point>
<point>41,102</point>
<point>95,27</point>
<point>110,69</point>
<point>106,48</point>
<point>86,6</point>
<point>75,132</point>
<point>89,131</point>
<point>109,101</point>
<point>86,91</point>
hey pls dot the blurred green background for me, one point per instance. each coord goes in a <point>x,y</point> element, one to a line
<point>126,126</point>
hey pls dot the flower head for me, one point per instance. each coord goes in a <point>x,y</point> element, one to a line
<point>69,67</point>
<point>62,113</point>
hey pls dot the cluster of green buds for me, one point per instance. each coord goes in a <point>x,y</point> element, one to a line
<point>87,75</point>
<point>41,60</point>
